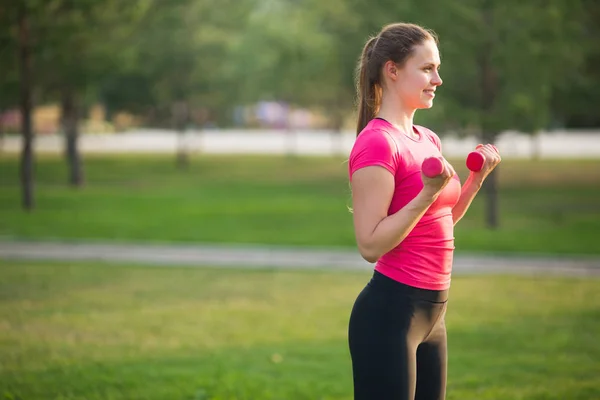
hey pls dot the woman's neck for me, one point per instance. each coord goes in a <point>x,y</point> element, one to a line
<point>397,115</point>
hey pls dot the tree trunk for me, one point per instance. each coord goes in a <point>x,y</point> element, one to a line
<point>26,106</point>
<point>70,120</point>
<point>536,148</point>
<point>183,160</point>
<point>491,189</point>
<point>180,114</point>
<point>489,90</point>
<point>1,132</point>
<point>290,132</point>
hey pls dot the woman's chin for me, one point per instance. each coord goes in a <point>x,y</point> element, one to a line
<point>426,104</point>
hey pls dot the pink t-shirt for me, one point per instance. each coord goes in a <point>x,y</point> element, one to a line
<point>424,258</point>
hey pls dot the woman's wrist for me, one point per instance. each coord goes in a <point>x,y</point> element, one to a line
<point>427,196</point>
<point>476,178</point>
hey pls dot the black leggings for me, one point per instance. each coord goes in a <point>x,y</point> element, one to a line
<point>397,339</point>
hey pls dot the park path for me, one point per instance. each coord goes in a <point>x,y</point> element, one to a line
<point>277,257</point>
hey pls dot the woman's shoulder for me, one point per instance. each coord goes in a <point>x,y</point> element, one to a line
<point>375,131</point>
<point>375,139</point>
<point>374,146</point>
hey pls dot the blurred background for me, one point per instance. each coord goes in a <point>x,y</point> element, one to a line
<point>166,130</point>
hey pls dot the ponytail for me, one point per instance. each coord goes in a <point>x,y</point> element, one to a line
<point>367,87</point>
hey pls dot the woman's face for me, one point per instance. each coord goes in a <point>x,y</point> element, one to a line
<point>416,81</point>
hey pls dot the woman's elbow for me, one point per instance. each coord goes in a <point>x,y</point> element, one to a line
<point>368,253</point>
<point>371,258</point>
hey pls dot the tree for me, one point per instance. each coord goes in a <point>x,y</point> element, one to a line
<point>9,81</point>
<point>574,103</point>
<point>180,64</point>
<point>82,42</point>
<point>503,60</point>
<point>26,106</point>
<point>303,53</point>
<point>16,21</point>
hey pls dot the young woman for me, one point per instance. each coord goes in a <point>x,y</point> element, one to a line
<point>403,221</point>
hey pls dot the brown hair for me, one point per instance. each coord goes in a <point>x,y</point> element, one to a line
<point>395,42</point>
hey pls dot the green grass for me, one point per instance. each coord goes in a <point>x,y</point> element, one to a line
<point>94,331</point>
<point>548,206</point>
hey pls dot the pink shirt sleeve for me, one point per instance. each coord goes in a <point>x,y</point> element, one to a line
<point>374,147</point>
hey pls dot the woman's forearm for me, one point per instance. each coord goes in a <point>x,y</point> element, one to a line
<point>394,228</point>
<point>468,193</point>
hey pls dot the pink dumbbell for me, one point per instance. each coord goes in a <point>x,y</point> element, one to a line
<point>432,167</point>
<point>475,160</point>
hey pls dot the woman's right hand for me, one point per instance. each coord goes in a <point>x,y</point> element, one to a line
<point>434,186</point>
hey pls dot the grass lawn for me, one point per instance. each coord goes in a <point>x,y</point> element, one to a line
<point>94,331</point>
<point>549,206</point>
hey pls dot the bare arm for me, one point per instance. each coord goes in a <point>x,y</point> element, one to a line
<point>474,182</point>
<point>372,191</point>
<point>468,193</point>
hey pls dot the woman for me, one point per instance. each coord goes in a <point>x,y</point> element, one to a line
<point>403,221</point>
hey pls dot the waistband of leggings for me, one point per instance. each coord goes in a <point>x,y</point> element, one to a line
<point>387,283</point>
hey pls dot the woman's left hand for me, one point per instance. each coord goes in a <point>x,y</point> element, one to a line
<point>492,159</point>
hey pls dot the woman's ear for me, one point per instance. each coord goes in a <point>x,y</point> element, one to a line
<point>390,70</point>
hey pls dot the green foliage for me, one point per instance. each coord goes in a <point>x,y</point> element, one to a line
<point>528,51</point>
<point>575,102</point>
<point>145,55</point>
<point>9,82</point>
<point>282,56</point>
<point>179,53</point>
